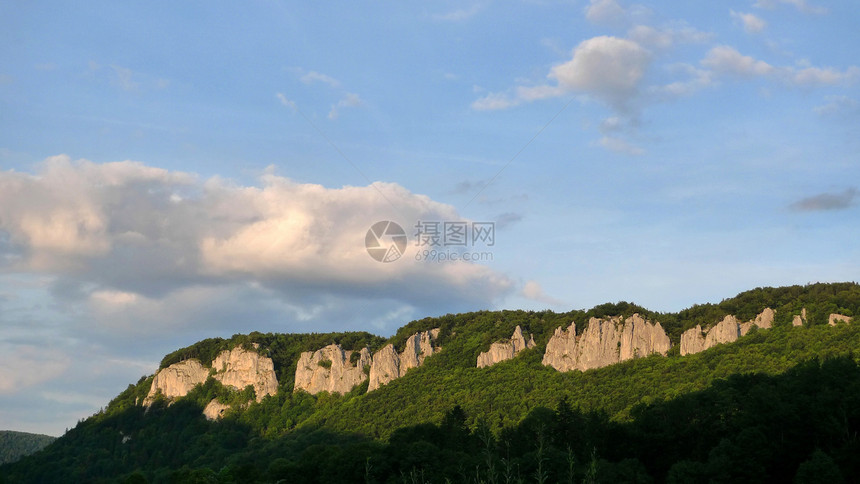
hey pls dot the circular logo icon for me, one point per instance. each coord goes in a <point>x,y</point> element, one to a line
<point>385,241</point>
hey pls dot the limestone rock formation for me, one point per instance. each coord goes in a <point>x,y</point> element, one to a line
<point>605,342</point>
<point>799,320</point>
<point>505,350</point>
<point>388,365</point>
<point>728,330</point>
<point>239,368</point>
<point>215,409</point>
<point>641,338</point>
<point>331,369</point>
<point>764,321</point>
<point>838,318</point>
<point>599,344</point>
<point>561,349</point>
<point>177,380</point>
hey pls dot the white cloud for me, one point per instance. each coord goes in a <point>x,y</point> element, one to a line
<point>533,290</point>
<point>726,60</point>
<point>286,102</point>
<point>125,234</point>
<point>750,23</point>
<point>608,68</point>
<point>605,12</point>
<point>646,35</point>
<point>816,76</point>
<point>801,5</point>
<point>350,100</point>
<point>460,14</point>
<point>668,37</point>
<point>495,101</point>
<point>313,76</point>
<point>697,79</point>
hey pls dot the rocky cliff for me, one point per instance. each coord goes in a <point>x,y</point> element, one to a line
<point>388,365</point>
<point>605,342</point>
<point>335,370</point>
<point>237,368</point>
<point>838,318</point>
<point>799,319</point>
<point>505,350</point>
<point>728,330</point>
<point>177,380</point>
<point>331,369</point>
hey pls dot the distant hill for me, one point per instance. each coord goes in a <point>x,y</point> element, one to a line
<point>14,445</point>
<point>779,403</point>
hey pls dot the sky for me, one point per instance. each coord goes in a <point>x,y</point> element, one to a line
<point>172,171</point>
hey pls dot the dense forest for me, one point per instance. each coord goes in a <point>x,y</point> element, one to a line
<point>778,405</point>
<point>14,445</point>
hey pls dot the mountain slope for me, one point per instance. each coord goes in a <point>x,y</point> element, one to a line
<point>14,445</point>
<point>444,409</point>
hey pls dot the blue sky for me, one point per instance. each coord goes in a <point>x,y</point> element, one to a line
<point>170,172</point>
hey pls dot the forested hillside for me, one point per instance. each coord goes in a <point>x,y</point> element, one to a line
<point>778,403</point>
<point>14,445</point>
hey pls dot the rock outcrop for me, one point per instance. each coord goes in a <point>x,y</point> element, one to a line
<point>764,321</point>
<point>641,338</point>
<point>505,350</point>
<point>799,320</point>
<point>215,409</point>
<point>237,368</point>
<point>605,342</point>
<point>728,330</point>
<point>388,365</point>
<point>331,369</point>
<point>838,318</point>
<point>177,380</point>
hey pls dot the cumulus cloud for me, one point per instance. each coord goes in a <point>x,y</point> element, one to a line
<point>827,201</point>
<point>817,76</point>
<point>726,60</point>
<point>125,234</point>
<point>750,23</point>
<point>665,38</point>
<point>605,12</point>
<point>533,290</point>
<point>609,68</point>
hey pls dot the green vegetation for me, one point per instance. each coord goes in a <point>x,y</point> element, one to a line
<point>778,404</point>
<point>14,445</point>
